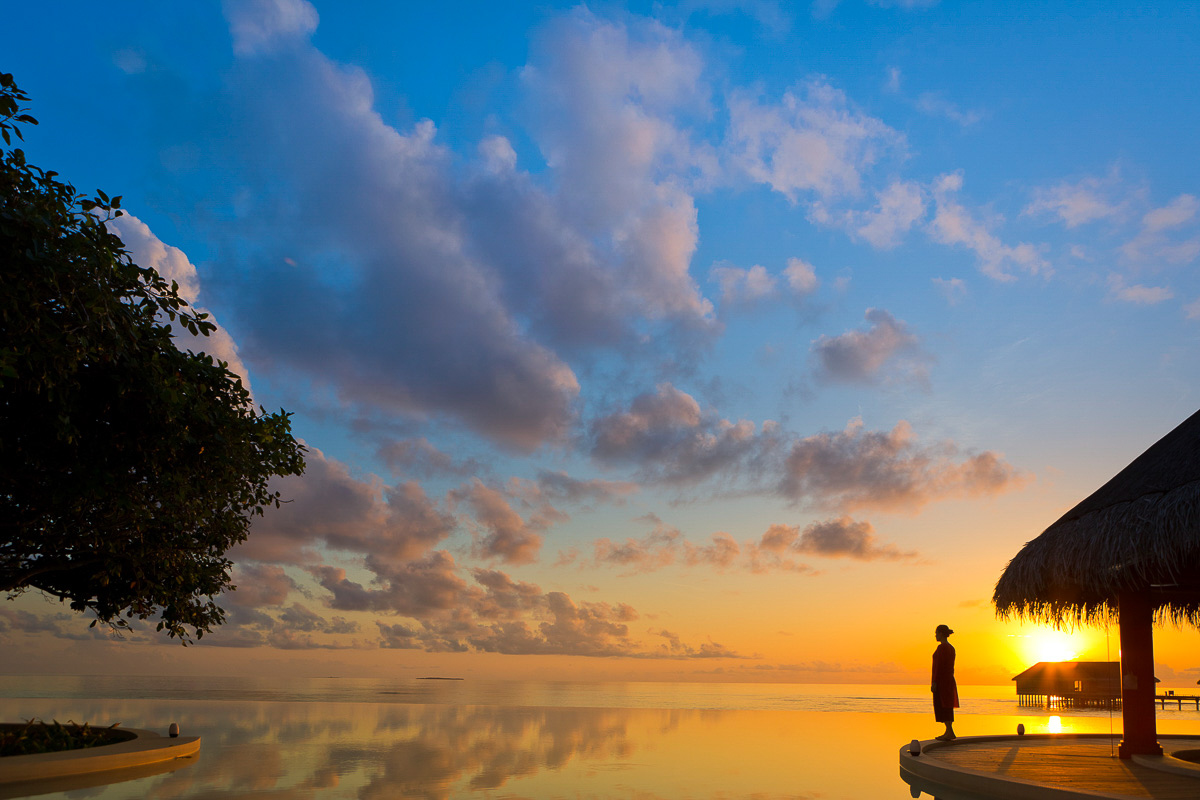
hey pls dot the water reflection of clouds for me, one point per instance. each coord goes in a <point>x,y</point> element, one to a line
<point>366,751</point>
<point>484,747</point>
<point>303,750</point>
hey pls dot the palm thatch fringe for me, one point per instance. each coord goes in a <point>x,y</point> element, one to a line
<point>1073,572</point>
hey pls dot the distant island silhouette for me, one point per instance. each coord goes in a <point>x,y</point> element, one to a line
<point>439,678</point>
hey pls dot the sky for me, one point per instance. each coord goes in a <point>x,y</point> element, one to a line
<point>716,340</point>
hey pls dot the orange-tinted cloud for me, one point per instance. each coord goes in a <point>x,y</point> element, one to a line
<point>887,471</point>
<point>669,440</point>
<point>842,537</point>
<point>418,457</point>
<point>887,348</point>
<point>504,535</point>
<point>328,505</point>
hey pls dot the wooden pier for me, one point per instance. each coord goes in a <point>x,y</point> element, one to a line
<point>1178,699</point>
<point>1073,700</point>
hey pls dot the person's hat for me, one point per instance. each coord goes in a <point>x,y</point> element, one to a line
<point>943,629</point>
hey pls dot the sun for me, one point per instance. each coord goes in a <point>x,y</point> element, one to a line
<point>1047,644</point>
<point>1051,645</point>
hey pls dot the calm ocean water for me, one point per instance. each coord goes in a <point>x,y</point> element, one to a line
<point>372,739</point>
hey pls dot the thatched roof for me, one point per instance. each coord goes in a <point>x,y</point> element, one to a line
<point>1140,531</point>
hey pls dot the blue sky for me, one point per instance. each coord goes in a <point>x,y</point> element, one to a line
<point>651,331</point>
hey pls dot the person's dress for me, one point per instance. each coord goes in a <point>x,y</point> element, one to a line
<point>945,699</point>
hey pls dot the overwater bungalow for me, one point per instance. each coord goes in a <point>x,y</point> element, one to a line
<point>1128,553</point>
<point>1070,684</point>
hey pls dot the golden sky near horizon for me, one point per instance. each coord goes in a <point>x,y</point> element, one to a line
<point>652,341</point>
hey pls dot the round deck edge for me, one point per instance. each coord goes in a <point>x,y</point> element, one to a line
<point>147,747</point>
<point>939,774</point>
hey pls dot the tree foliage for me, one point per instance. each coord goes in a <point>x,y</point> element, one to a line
<point>128,467</point>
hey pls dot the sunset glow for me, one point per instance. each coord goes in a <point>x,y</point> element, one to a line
<point>1052,646</point>
<point>705,341</point>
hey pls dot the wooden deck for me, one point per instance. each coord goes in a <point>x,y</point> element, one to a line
<point>1051,766</point>
<point>1178,699</point>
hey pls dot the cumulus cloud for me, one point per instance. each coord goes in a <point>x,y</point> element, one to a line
<point>148,250</point>
<point>1079,203</point>
<point>260,25</point>
<point>328,506</point>
<point>935,105</point>
<point>560,486</point>
<point>413,588</point>
<point>261,585</point>
<point>616,91</point>
<point>953,224</point>
<point>1138,294</point>
<point>813,142</point>
<point>677,648</point>
<point>671,442</point>
<point>499,615</point>
<point>299,618</point>
<point>953,289</point>
<point>720,552</point>
<point>503,534</point>
<point>777,549</point>
<point>801,277</point>
<point>421,458</point>
<point>433,289</point>
<point>667,436</point>
<point>887,346</point>
<point>59,625</point>
<point>415,322</point>
<point>897,209</point>
<point>1158,239</point>
<point>773,553</point>
<point>398,637</point>
<point>841,537</point>
<point>744,287</point>
<point>581,629</point>
<point>662,547</point>
<point>888,471</point>
<point>657,549</point>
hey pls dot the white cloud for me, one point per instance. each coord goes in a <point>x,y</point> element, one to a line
<point>621,158</point>
<point>1078,203</point>
<point>1137,293</point>
<point>148,250</point>
<point>812,142</point>
<point>892,83</point>
<point>498,154</point>
<point>1178,212</point>
<point>1154,242</point>
<point>1192,309</point>
<point>900,206</point>
<point>888,470</point>
<point>937,106</point>
<point>260,25</point>
<point>953,289</point>
<point>801,276</point>
<point>861,356</point>
<point>744,286</point>
<point>953,224</point>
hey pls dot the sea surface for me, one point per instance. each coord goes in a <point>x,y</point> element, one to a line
<point>370,739</point>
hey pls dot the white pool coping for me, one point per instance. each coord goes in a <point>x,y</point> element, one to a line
<point>147,747</point>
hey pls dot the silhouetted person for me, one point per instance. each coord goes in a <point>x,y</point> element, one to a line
<point>942,684</point>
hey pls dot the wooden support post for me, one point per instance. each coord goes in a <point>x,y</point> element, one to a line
<point>1136,618</point>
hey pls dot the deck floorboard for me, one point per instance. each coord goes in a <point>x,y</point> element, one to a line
<point>1082,765</point>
